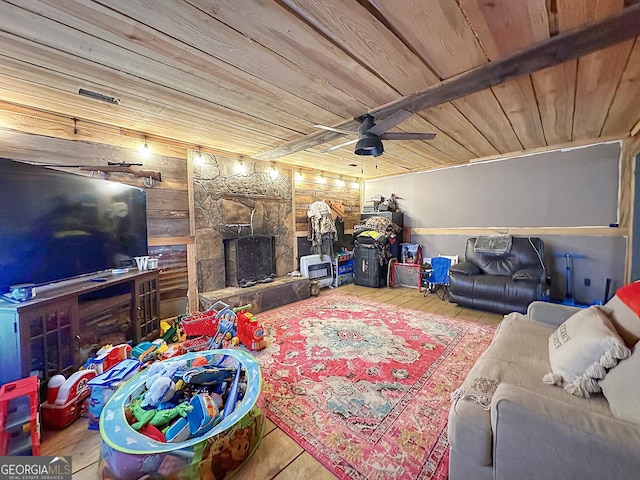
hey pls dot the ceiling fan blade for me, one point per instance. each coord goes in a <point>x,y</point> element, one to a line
<point>407,136</point>
<point>390,122</point>
<point>339,130</point>
<point>335,147</point>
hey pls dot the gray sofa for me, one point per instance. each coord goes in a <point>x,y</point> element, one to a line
<point>505,423</point>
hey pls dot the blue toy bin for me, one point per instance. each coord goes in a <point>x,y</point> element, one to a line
<point>129,455</point>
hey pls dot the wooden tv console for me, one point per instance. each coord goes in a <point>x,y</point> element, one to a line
<point>65,324</point>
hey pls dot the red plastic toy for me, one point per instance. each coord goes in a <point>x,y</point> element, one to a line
<point>199,324</point>
<point>249,331</point>
<point>68,404</point>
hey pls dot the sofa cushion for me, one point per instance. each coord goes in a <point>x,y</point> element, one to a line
<point>581,349</point>
<point>621,388</point>
<point>498,293</point>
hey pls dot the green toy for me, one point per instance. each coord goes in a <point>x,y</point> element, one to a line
<point>157,418</point>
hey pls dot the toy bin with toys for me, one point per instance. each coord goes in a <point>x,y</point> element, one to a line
<point>196,416</point>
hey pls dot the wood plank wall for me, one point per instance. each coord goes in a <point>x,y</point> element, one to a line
<point>311,187</point>
<point>36,136</point>
<point>33,135</point>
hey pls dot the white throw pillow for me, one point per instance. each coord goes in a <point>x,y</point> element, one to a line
<point>582,349</point>
<point>621,387</point>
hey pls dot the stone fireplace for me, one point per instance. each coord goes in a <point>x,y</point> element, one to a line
<point>241,218</point>
<point>249,260</point>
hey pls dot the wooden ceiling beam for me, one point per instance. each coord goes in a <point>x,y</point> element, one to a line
<point>561,48</point>
<point>612,30</point>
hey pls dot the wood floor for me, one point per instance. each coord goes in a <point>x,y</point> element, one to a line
<point>278,457</point>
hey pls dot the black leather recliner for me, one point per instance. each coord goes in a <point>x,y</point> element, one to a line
<point>503,283</point>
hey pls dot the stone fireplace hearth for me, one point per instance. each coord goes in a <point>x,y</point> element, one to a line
<point>262,296</point>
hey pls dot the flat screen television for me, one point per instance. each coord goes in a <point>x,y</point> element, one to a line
<point>57,225</point>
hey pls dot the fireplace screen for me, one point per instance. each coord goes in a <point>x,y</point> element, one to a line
<point>249,260</point>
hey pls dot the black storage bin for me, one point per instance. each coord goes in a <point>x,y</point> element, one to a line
<point>367,268</point>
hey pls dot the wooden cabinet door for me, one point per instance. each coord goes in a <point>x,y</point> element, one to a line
<point>147,308</point>
<point>48,340</point>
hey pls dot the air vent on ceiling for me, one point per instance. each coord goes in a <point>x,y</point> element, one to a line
<point>99,96</point>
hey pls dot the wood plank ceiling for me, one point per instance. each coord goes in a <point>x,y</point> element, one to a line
<point>247,76</point>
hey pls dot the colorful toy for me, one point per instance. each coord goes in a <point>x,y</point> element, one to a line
<point>172,350</point>
<point>204,416</point>
<point>117,354</point>
<point>153,432</point>
<point>170,333</point>
<point>160,385</point>
<point>68,403</point>
<point>232,398</point>
<point>227,313</point>
<point>249,332</point>
<point>196,344</point>
<point>142,349</point>
<point>223,447</point>
<point>178,431</point>
<point>103,386</point>
<point>208,375</point>
<point>224,327</point>
<point>19,417</point>
<point>157,418</point>
<point>200,324</point>
<point>108,356</point>
<point>149,351</point>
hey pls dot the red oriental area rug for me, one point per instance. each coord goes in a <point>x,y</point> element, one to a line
<point>364,387</point>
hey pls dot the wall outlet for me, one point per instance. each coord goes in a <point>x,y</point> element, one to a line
<point>587,282</point>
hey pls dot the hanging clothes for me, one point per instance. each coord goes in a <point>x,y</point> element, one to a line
<point>322,229</point>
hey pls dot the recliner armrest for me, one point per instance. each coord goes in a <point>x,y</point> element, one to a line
<point>465,268</point>
<point>537,437</point>
<point>550,313</point>
<point>529,274</point>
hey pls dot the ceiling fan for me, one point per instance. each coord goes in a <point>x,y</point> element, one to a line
<point>371,134</point>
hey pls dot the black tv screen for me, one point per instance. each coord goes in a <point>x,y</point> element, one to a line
<point>56,225</point>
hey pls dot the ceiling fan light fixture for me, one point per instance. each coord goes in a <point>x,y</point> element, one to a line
<point>369,145</point>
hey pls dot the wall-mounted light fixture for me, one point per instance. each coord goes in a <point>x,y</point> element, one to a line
<point>299,176</point>
<point>240,166</point>
<point>197,157</point>
<point>144,148</point>
<point>273,173</point>
<point>321,178</point>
